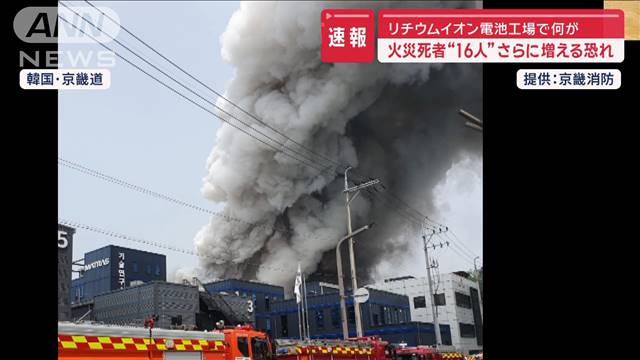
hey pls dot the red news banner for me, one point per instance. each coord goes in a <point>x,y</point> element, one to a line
<point>347,35</point>
<point>478,35</point>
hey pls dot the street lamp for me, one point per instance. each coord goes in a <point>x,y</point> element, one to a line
<point>354,282</point>
<point>473,122</point>
<point>343,305</point>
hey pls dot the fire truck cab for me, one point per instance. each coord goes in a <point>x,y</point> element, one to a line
<point>245,343</point>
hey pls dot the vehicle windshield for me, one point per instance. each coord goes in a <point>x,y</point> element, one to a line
<point>243,346</point>
<point>260,349</point>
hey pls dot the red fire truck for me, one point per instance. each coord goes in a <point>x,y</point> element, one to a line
<point>109,342</point>
<point>105,342</point>
<point>364,348</point>
<point>426,353</point>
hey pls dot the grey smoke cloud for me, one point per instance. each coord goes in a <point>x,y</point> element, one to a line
<point>397,122</point>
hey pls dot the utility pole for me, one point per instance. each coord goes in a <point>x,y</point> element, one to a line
<point>302,309</point>
<point>343,305</point>
<point>475,268</point>
<point>436,324</point>
<point>300,320</point>
<point>306,306</point>
<point>343,297</point>
<point>354,282</point>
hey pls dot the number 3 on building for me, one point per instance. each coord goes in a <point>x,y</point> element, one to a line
<point>250,306</point>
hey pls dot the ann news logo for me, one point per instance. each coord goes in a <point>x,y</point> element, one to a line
<point>66,25</point>
<point>347,35</point>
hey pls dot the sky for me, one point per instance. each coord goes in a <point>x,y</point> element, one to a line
<point>143,133</point>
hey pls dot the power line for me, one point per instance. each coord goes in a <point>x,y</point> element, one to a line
<point>212,90</point>
<point>411,219</point>
<point>171,88</point>
<point>235,105</point>
<point>117,235</point>
<point>460,254</point>
<point>100,175</point>
<point>460,245</point>
<point>122,236</point>
<point>414,217</point>
<point>454,235</point>
<point>404,205</point>
<point>308,160</point>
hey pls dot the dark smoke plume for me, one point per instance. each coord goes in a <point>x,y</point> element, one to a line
<point>397,122</point>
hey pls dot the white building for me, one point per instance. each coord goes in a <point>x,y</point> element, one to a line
<point>459,305</point>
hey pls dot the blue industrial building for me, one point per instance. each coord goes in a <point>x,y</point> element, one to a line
<point>114,267</point>
<point>385,314</point>
<point>262,297</point>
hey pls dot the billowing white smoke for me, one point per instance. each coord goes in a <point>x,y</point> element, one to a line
<point>274,48</point>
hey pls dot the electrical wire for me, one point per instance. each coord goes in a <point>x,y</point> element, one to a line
<point>100,175</point>
<point>405,211</point>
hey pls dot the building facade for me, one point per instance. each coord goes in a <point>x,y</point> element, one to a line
<point>115,267</point>
<point>65,259</point>
<point>385,314</point>
<point>174,304</point>
<point>259,298</point>
<point>458,306</point>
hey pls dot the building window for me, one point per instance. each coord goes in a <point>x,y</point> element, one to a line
<point>351,314</point>
<point>268,324</point>
<point>463,300</point>
<point>319,319</point>
<point>176,320</point>
<point>419,302</point>
<point>135,267</point>
<point>376,319</point>
<point>439,299</point>
<point>382,315</point>
<point>149,269</point>
<point>467,330</point>
<point>157,269</point>
<point>267,305</point>
<point>284,326</point>
<point>477,319</point>
<point>335,317</point>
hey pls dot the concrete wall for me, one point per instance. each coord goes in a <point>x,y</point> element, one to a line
<point>133,305</point>
<point>65,258</point>
<point>451,313</point>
